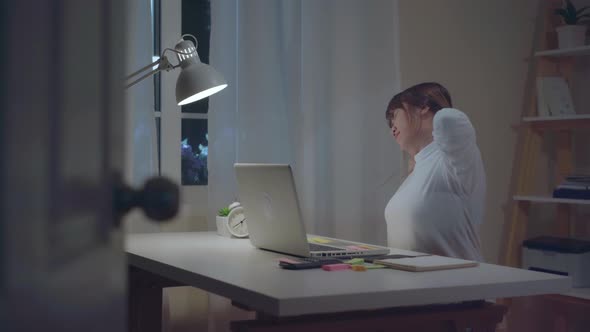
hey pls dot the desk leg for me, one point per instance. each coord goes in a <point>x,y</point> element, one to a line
<point>145,300</point>
<point>473,317</point>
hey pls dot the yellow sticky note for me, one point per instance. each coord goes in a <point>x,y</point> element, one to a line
<point>355,261</point>
<point>320,240</point>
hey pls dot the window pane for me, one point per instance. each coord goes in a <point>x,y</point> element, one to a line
<point>156,29</point>
<point>158,140</point>
<point>194,151</point>
<point>196,20</point>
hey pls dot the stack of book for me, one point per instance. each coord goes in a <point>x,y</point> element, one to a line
<point>574,187</point>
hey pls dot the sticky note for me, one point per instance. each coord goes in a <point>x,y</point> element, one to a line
<point>355,248</point>
<point>320,240</point>
<point>288,260</point>
<point>355,261</point>
<point>335,267</point>
<point>358,268</point>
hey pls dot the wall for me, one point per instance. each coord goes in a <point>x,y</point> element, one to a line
<point>477,49</point>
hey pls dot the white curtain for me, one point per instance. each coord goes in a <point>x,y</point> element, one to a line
<point>141,130</point>
<point>308,85</point>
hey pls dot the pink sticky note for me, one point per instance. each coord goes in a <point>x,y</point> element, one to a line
<point>288,260</point>
<point>335,267</point>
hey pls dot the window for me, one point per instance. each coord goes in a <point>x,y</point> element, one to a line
<point>182,131</point>
<point>156,51</point>
<point>194,151</point>
<point>196,20</point>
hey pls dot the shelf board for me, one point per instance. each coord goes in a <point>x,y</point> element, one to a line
<point>556,118</point>
<point>580,293</point>
<point>559,122</point>
<point>582,50</point>
<point>551,200</point>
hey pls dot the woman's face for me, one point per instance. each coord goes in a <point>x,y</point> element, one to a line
<point>401,128</point>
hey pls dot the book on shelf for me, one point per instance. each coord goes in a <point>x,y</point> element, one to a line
<point>571,193</point>
<point>573,187</point>
<point>577,178</point>
<point>575,184</point>
<point>554,97</point>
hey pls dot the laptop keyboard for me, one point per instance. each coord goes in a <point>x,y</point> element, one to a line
<point>319,247</point>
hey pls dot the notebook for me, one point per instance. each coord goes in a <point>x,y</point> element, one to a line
<point>425,263</point>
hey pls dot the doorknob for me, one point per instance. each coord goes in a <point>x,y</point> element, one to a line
<point>159,199</point>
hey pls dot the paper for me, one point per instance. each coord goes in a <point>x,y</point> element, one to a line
<point>542,108</point>
<point>557,96</point>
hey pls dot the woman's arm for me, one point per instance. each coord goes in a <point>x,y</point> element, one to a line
<point>455,136</point>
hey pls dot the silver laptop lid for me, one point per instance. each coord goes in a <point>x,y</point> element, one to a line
<point>267,193</point>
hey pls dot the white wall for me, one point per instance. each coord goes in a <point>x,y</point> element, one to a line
<point>477,49</point>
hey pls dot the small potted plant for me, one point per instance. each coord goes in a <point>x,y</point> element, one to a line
<point>573,32</point>
<point>221,221</point>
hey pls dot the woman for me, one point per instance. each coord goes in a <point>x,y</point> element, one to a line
<point>440,205</point>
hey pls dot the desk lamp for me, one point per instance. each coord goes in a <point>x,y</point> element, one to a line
<point>196,80</point>
<point>159,198</point>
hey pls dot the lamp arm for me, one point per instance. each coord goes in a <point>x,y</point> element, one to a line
<point>163,64</point>
<point>157,62</point>
<point>153,72</point>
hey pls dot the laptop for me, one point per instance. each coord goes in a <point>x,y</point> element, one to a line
<point>267,194</point>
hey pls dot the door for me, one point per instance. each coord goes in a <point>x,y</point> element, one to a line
<point>62,262</point>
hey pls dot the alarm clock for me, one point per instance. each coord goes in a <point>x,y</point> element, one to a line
<point>236,221</point>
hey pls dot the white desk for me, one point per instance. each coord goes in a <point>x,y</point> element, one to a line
<point>233,268</point>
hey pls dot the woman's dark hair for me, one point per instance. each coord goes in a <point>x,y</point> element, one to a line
<point>429,94</point>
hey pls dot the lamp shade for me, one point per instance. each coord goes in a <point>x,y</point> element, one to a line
<point>197,80</point>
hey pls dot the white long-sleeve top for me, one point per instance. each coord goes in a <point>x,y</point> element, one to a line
<point>440,205</point>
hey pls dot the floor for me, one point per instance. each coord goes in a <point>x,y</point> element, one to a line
<point>187,309</point>
<point>541,314</point>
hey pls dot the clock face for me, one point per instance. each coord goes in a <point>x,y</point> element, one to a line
<point>236,222</point>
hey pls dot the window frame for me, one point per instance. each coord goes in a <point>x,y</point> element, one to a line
<point>194,197</point>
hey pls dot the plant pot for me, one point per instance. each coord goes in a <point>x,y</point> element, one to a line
<point>569,36</point>
<point>220,222</point>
